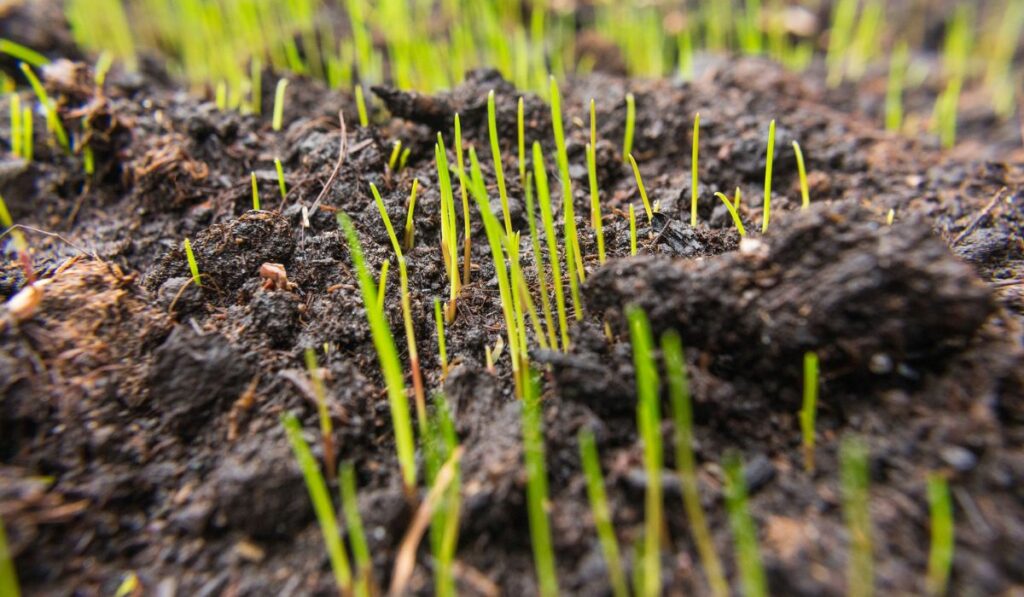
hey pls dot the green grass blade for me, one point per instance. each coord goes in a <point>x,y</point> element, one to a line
<point>192,265</point>
<point>643,190</point>
<point>770,158</point>
<point>602,516</point>
<point>388,356</point>
<point>280,178</point>
<point>8,576</point>
<point>632,230</point>
<point>278,119</point>
<point>499,170</point>
<point>595,204</point>
<point>810,408</point>
<point>732,213</point>
<point>748,556</point>
<point>255,192</point>
<point>649,423</point>
<point>853,464</point>
<point>25,54</point>
<point>940,554</point>
<point>805,194</point>
<point>682,415</point>
<point>322,506</point>
<point>627,141</point>
<point>357,536</point>
<point>537,489</point>
<point>548,220</point>
<point>694,156</point>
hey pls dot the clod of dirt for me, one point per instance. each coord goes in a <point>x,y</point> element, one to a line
<point>192,375</point>
<point>228,254</point>
<point>833,279</point>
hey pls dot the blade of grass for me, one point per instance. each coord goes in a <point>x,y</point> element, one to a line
<point>538,260</point>
<point>499,170</point>
<point>805,194</point>
<point>441,349</point>
<point>940,554</point>
<point>602,516</point>
<point>853,466</point>
<point>357,536</point>
<point>643,191</point>
<point>324,416</point>
<point>748,556</point>
<point>255,192</point>
<point>547,218</point>
<point>632,230</point>
<point>770,158</point>
<point>649,422</point>
<point>627,141</point>
<point>568,209</point>
<point>410,230</point>
<point>278,118</point>
<point>695,155</point>
<point>387,354</point>
<point>23,53</point>
<point>537,489</point>
<point>460,170</point>
<point>192,265</point>
<point>810,408</point>
<point>53,121</point>
<point>322,506</point>
<point>364,119</point>
<point>595,204</point>
<point>682,415</point>
<point>280,178</point>
<point>733,213</point>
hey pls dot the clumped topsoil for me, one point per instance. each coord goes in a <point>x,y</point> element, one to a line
<point>139,418</point>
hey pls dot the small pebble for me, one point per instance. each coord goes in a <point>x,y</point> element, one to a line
<point>961,459</point>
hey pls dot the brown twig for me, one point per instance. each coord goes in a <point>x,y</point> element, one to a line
<point>342,152</point>
<point>977,219</point>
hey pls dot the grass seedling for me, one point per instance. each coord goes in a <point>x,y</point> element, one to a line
<point>280,178</point>
<point>595,204</point>
<point>494,239</point>
<point>729,205</point>
<point>769,159</point>
<point>805,193</point>
<point>853,464</point>
<point>382,284</point>
<point>840,36</point>
<point>410,333</point>
<point>8,577</point>
<point>894,88</point>
<point>748,556</point>
<point>548,220</point>
<point>256,80</point>
<point>890,216</point>
<point>682,415</point>
<point>632,230</point>
<point>16,135</point>
<point>444,526</point>
<point>648,416</point>
<point>388,356</point>
<point>22,53</point>
<point>449,233</point>
<point>326,428</point>
<point>442,351</point>
<point>357,536</point>
<point>52,118</point>
<point>940,554</point>
<point>602,516</point>
<point>364,119</point>
<point>521,137</point>
<point>956,54</point>
<point>695,154</point>
<point>322,506</point>
<point>572,240</point>
<point>255,192</point>
<point>643,191</point>
<point>322,503</point>
<point>460,171</point>
<point>537,489</point>
<point>27,142</point>
<point>499,170</point>
<point>278,119</point>
<point>627,141</point>
<point>810,408</point>
<point>999,74</point>
<point>538,260</point>
<point>409,237</point>
<point>192,265</point>
<point>396,151</point>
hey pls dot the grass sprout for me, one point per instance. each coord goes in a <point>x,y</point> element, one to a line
<point>940,554</point>
<point>409,236</point>
<point>595,204</point>
<point>695,155</point>
<point>280,178</point>
<point>682,415</point>
<point>322,506</point>
<point>278,118</point>
<point>255,192</point>
<point>627,141</point>
<point>410,331</point>
<point>748,556</point>
<point>449,228</point>
<point>537,489</point>
<point>769,160</point>
<point>729,205</point>
<point>8,576</point>
<point>27,125</point>
<point>853,467</point>
<point>643,191</point>
<point>521,138</point>
<point>499,170</point>
<point>53,121</point>
<point>572,240</point>
<point>364,119</point>
<point>548,220</point>
<point>387,354</point>
<point>648,417</point>
<point>23,53</point>
<point>396,151</point>
<point>602,516</point>
<point>894,87</point>
<point>810,408</point>
<point>442,351</point>
<point>382,284</point>
<point>357,536</point>
<point>805,193</point>
<point>538,259</point>
<point>192,265</point>
<point>444,526</point>
<point>632,230</point>
<point>324,416</point>
<point>460,170</point>
<point>16,134</point>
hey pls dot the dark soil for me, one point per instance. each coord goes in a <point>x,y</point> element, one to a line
<point>139,418</point>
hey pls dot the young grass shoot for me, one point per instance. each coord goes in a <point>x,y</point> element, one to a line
<point>805,193</point>
<point>853,468</point>
<point>602,515</point>
<point>810,408</point>
<point>192,265</point>
<point>643,190</point>
<point>769,159</point>
<point>940,554</point>
<point>537,489</point>
<point>744,533</point>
